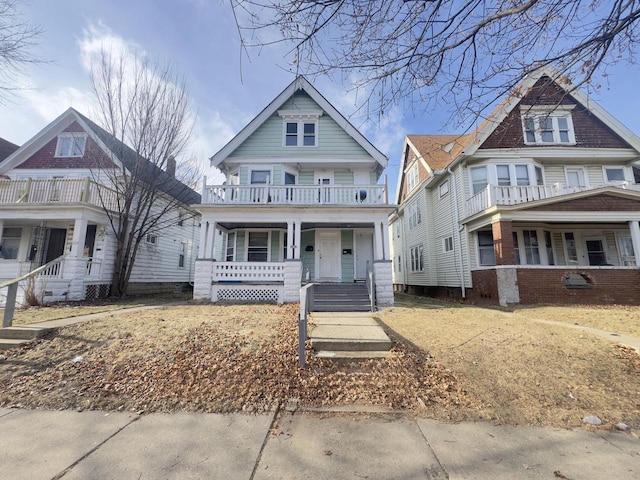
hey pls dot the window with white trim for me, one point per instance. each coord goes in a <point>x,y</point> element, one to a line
<point>412,177</point>
<point>478,179</point>
<point>625,247</point>
<point>571,251</point>
<point>71,145</point>
<point>300,133</point>
<point>614,174</point>
<point>541,127</point>
<point>444,188</point>
<point>258,247</point>
<point>576,176</point>
<point>260,176</point>
<point>531,251</point>
<point>447,244</point>
<point>10,243</point>
<point>182,255</point>
<point>417,261</point>
<point>486,253</point>
<point>231,247</point>
<point>415,215</point>
<point>152,239</point>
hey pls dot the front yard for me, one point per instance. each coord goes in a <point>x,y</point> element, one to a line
<point>448,362</point>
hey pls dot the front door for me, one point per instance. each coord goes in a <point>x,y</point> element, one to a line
<point>328,256</point>
<point>364,253</point>
<point>55,244</point>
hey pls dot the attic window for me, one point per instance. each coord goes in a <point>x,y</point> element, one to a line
<point>542,125</point>
<point>412,177</point>
<point>71,145</point>
<point>300,127</point>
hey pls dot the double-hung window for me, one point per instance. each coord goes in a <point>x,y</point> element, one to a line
<point>486,253</point>
<point>231,247</point>
<point>71,145</point>
<point>10,243</point>
<point>182,255</point>
<point>258,247</point>
<point>547,125</point>
<point>412,177</point>
<point>417,261</point>
<point>614,174</point>
<point>478,179</point>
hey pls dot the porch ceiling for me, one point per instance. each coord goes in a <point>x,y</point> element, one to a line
<point>283,226</point>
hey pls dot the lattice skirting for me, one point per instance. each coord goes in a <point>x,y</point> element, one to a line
<point>96,290</point>
<point>247,293</point>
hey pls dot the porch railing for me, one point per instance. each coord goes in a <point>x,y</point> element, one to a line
<point>295,194</point>
<point>512,195</point>
<point>54,269</point>
<point>57,190</point>
<point>248,271</point>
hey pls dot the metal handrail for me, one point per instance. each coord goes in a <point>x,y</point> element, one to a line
<point>306,306</point>
<point>10,305</point>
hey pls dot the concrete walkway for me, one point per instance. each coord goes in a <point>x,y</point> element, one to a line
<point>95,445</point>
<point>620,338</point>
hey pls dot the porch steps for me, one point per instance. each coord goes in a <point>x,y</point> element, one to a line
<point>341,297</point>
<point>346,336</point>
<point>11,337</point>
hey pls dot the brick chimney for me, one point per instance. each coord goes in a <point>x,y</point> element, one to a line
<point>171,166</point>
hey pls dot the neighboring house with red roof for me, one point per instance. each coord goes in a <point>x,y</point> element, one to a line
<point>52,211</point>
<point>538,205</point>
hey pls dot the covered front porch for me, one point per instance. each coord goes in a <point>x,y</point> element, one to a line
<point>270,260</point>
<point>72,249</point>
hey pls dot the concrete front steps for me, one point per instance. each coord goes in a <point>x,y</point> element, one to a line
<point>348,335</point>
<point>11,337</point>
<point>341,297</point>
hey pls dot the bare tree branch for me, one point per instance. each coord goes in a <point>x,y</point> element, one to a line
<point>464,54</point>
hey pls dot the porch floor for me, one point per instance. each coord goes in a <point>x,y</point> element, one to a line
<point>348,335</point>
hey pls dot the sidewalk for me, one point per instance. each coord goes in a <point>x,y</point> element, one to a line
<point>97,445</point>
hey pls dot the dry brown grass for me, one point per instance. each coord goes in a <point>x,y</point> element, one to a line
<point>464,363</point>
<point>518,371</point>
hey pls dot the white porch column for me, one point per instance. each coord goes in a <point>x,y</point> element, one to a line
<point>79,236</point>
<point>386,246</point>
<point>1,228</point>
<point>212,239</point>
<point>290,241</point>
<point>298,241</point>
<point>378,242</point>
<point>634,226</point>
<point>202,246</point>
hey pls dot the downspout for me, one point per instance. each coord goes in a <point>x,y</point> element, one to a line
<point>460,228</point>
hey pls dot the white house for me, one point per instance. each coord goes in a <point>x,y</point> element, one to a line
<point>52,211</point>
<point>301,203</point>
<point>538,205</point>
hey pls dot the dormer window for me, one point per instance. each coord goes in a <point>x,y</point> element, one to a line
<point>71,145</point>
<point>300,127</point>
<point>542,126</point>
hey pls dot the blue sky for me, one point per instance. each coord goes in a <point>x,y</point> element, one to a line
<point>199,38</point>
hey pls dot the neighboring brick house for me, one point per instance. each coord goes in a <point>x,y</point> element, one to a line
<point>539,205</point>
<point>53,196</point>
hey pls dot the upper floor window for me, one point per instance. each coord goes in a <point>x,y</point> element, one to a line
<point>415,216</point>
<point>542,126</point>
<point>260,176</point>
<point>71,145</point>
<point>412,177</point>
<point>478,179</point>
<point>300,127</point>
<point>614,174</point>
<point>444,188</point>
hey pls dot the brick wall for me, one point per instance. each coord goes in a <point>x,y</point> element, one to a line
<point>485,287</point>
<point>503,243</point>
<point>606,286</point>
<point>596,203</point>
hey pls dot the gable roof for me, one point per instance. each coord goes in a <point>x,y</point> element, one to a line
<point>300,83</point>
<point>6,148</point>
<point>468,144</point>
<point>110,144</point>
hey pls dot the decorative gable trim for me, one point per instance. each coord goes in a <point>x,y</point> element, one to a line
<point>300,83</point>
<point>304,114</point>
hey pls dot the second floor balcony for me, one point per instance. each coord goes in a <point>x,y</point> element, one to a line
<point>494,195</point>
<point>56,191</point>
<point>349,195</point>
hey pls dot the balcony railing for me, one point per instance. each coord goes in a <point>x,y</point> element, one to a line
<point>248,271</point>
<point>56,190</point>
<point>495,195</point>
<point>295,194</point>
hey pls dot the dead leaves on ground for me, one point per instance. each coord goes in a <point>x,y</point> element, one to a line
<point>209,370</point>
